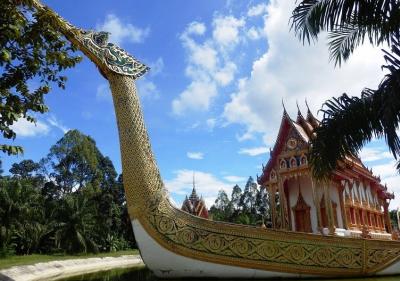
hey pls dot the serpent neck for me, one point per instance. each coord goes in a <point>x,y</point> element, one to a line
<point>142,180</point>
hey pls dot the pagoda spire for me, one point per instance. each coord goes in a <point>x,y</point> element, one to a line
<point>194,196</point>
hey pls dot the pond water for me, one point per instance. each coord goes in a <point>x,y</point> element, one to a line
<point>143,274</point>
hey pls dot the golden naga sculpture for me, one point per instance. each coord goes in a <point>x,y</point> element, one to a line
<point>175,243</point>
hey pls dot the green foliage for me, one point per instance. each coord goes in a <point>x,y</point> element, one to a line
<point>249,207</point>
<point>72,201</point>
<point>348,22</point>
<point>350,122</point>
<point>31,49</point>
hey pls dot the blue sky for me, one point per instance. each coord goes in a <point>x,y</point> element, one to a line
<point>212,101</point>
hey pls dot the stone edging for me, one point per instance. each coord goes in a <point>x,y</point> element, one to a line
<point>66,268</point>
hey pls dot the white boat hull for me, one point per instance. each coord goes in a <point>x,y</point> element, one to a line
<point>166,264</point>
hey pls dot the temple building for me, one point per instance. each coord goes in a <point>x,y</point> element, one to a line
<point>353,202</point>
<point>195,205</point>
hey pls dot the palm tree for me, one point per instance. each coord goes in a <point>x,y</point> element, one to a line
<point>350,122</point>
<point>75,218</point>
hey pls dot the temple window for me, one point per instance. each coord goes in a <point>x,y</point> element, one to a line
<point>293,162</point>
<point>353,216</point>
<point>369,219</point>
<point>283,164</point>
<point>303,160</point>
<point>361,217</point>
<point>273,175</point>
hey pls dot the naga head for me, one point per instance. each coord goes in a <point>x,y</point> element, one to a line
<point>108,56</point>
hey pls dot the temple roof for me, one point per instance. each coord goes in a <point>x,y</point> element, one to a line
<point>303,129</point>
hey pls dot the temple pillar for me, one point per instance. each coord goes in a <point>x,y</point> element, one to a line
<point>341,189</point>
<point>316,203</point>
<point>329,209</point>
<point>387,216</point>
<point>272,195</point>
<point>282,198</point>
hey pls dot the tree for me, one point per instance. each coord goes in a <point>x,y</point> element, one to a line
<point>30,49</point>
<point>249,196</point>
<point>75,217</point>
<point>350,122</point>
<point>235,197</point>
<point>75,161</point>
<point>222,209</point>
<point>24,169</point>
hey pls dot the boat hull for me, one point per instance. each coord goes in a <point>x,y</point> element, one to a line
<point>167,264</point>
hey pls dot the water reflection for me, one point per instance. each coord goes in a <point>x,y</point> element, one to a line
<point>143,274</point>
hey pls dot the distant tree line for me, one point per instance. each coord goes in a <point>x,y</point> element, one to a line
<point>250,206</point>
<point>71,201</point>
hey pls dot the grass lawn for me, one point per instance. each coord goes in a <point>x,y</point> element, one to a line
<point>32,259</point>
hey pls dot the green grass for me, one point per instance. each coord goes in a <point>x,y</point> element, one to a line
<point>32,259</point>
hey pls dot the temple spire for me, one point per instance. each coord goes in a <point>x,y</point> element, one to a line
<point>194,196</point>
<point>284,108</point>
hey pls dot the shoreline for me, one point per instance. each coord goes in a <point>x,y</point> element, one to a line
<point>67,268</point>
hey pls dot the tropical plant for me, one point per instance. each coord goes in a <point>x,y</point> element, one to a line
<point>30,49</point>
<point>36,216</point>
<point>75,221</point>
<point>350,122</point>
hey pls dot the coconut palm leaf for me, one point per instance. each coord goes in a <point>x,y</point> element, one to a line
<point>343,41</point>
<point>349,122</point>
<point>348,22</point>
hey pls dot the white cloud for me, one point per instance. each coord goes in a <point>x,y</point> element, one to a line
<point>244,137</point>
<point>253,33</point>
<point>257,10</point>
<point>211,123</point>
<point>289,71</point>
<point>226,30</point>
<point>122,31</point>
<point>207,185</point>
<point>195,155</point>
<point>53,121</point>
<point>254,151</point>
<point>369,154</point>
<point>103,92</point>
<point>209,66</point>
<point>24,128</point>
<point>196,97</point>
<point>157,67</point>
<point>197,28</point>
<point>385,170</point>
<point>147,89</point>
<point>389,175</point>
<point>224,76</point>
<point>235,179</point>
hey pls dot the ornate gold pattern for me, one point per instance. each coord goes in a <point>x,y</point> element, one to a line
<point>218,242</point>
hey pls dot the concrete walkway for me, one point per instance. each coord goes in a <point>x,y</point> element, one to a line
<point>61,269</point>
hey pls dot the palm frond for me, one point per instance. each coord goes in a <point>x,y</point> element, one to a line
<point>350,122</point>
<point>378,19</point>
<point>343,41</point>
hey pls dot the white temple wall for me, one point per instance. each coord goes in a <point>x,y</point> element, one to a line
<point>334,194</point>
<point>306,191</point>
<point>293,194</point>
<point>369,194</point>
<point>356,194</point>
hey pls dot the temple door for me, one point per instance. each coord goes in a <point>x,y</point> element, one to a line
<point>302,215</point>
